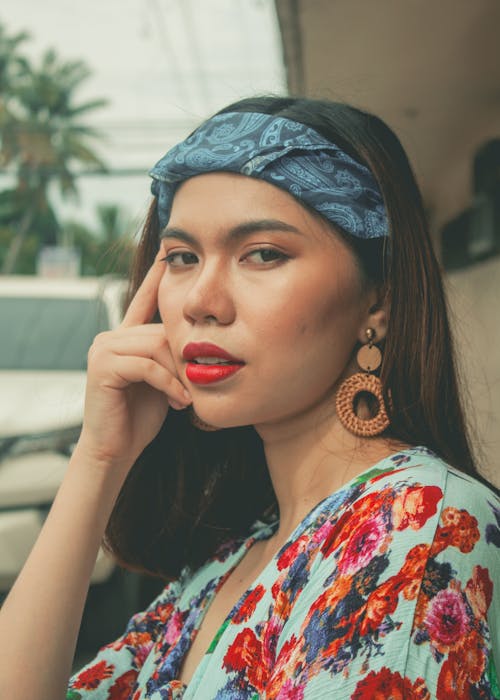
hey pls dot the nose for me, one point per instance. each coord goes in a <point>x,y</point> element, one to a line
<point>209,299</point>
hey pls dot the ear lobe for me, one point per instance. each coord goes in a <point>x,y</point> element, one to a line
<point>378,319</point>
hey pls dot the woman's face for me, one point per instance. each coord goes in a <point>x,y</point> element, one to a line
<point>252,272</point>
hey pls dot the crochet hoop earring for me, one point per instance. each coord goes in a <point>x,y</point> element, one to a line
<point>369,359</point>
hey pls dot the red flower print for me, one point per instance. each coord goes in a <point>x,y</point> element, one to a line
<point>452,683</point>
<point>479,591</point>
<point>258,675</point>
<point>330,598</point>
<point>282,605</point>
<point>141,641</point>
<point>462,670</point>
<point>136,639</point>
<point>366,540</point>
<point>415,562</point>
<point>414,506</point>
<point>386,685</point>
<point>460,528</point>
<point>443,538</point>
<point>123,686</point>
<point>473,655</point>
<point>286,652</point>
<point>291,552</point>
<point>337,534</point>
<point>285,683</point>
<point>380,603</point>
<point>243,652</point>
<point>420,610</point>
<point>411,589</point>
<point>248,605</point>
<point>446,618</point>
<point>163,612</point>
<point>175,690</point>
<point>90,678</point>
<point>372,502</point>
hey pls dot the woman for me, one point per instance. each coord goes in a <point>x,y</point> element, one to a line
<point>312,497</point>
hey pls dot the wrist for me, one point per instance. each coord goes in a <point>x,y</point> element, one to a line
<point>102,465</point>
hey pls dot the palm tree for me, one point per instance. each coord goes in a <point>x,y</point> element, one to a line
<point>106,248</point>
<point>12,68</point>
<point>44,140</point>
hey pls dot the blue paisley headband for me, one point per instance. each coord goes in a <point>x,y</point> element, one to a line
<point>284,153</point>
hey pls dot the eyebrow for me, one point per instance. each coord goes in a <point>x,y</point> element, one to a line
<point>240,231</point>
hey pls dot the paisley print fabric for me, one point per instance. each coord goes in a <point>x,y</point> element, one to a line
<point>389,588</point>
<point>284,153</point>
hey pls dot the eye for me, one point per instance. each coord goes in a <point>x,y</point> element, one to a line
<point>180,259</point>
<point>265,255</point>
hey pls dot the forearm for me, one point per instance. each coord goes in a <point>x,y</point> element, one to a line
<point>40,618</point>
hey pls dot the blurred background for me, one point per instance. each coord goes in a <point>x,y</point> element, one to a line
<point>92,94</point>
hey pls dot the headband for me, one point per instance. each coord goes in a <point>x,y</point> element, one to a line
<point>284,153</point>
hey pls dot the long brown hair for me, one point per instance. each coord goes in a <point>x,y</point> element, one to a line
<point>190,490</point>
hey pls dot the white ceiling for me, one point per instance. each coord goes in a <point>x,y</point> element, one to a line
<point>430,68</point>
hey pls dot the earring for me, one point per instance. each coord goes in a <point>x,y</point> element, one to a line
<point>200,424</point>
<point>369,359</point>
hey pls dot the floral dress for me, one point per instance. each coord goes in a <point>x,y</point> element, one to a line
<point>389,588</point>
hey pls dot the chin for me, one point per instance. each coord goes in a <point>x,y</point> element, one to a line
<point>206,420</point>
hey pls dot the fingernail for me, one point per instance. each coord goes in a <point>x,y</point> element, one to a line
<point>176,405</point>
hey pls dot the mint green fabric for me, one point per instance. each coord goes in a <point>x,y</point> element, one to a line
<point>391,585</point>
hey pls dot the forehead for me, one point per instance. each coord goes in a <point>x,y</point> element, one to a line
<point>229,198</point>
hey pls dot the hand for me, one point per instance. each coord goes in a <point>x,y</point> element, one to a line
<point>131,382</point>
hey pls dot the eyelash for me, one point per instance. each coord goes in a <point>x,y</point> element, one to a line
<point>279,257</point>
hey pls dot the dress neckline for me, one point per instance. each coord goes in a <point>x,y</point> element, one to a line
<point>260,531</point>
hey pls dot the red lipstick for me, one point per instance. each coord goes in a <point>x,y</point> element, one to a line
<point>207,363</point>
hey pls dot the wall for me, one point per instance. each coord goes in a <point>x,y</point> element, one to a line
<point>474,296</point>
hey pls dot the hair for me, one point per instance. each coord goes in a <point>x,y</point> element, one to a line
<point>190,491</point>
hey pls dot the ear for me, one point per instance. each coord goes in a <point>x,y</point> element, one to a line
<point>376,317</point>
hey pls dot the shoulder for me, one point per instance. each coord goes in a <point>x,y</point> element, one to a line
<point>409,565</point>
<point>445,563</point>
<point>435,512</point>
<point>421,481</point>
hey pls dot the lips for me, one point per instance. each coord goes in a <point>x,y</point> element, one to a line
<point>208,363</point>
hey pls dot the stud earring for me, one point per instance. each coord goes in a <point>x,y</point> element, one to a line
<point>369,359</point>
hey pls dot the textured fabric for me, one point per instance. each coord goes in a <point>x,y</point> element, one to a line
<point>284,153</point>
<point>389,588</point>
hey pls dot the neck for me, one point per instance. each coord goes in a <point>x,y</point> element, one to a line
<point>311,456</point>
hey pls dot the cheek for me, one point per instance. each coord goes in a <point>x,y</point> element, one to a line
<point>309,342</point>
<point>312,312</point>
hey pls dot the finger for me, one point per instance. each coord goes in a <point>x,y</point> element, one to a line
<point>154,347</point>
<point>131,370</point>
<point>143,341</point>
<point>145,330</point>
<point>145,302</point>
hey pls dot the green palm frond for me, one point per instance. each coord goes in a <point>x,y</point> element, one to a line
<point>43,137</point>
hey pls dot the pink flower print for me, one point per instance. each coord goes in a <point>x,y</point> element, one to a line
<point>323,532</point>
<point>290,692</point>
<point>446,619</point>
<point>366,540</point>
<point>174,628</point>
